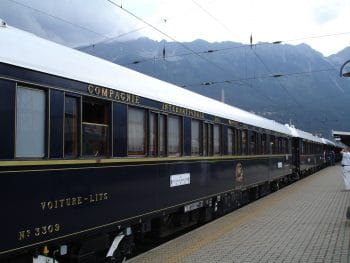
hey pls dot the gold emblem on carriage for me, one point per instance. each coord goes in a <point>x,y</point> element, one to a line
<point>239,173</point>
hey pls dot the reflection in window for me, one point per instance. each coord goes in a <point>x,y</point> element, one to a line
<point>30,122</point>
<point>162,135</point>
<point>195,137</point>
<point>205,139</point>
<point>153,134</point>
<point>244,142</point>
<point>210,139</point>
<point>95,128</point>
<point>230,141</point>
<point>217,139</point>
<point>71,121</point>
<point>253,139</point>
<point>272,145</point>
<point>174,136</point>
<point>136,131</point>
<point>263,144</point>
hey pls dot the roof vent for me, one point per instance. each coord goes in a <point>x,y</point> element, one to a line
<point>2,23</point>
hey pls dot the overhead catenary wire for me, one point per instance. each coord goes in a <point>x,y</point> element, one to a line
<point>168,36</point>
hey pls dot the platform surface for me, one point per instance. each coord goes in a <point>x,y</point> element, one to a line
<point>303,222</point>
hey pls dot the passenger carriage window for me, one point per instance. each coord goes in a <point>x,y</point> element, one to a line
<point>174,136</point>
<point>253,143</point>
<point>153,134</point>
<point>244,142</point>
<point>238,141</point>
<point>30,122</point>
<point>217,139</point>
<point>162,135</point>
<point>263,144</point>
<point>196,137</point>
<point>95,127</point>
<point>136,131</point>
<point>272,145</point>
<point>71,126</point>
<point>205,139</point>
<point>230,141</point>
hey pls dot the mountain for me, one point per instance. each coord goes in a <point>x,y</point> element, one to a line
<point>290,84</point>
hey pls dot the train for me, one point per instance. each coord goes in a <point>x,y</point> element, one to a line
<point>94,156</point>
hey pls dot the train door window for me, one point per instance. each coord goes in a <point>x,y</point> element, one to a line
<point>244,142</point>
<point>30,122</point>
<point>153,134</point>
<point>205,139</point>
<point>253,143</point>
<point>71,126</point>
<point>230,141</point>
<point>162,135</point>
<point>136,131</point>
<point>174,136</point>
<point>95,127</point>
<point>196,137</point>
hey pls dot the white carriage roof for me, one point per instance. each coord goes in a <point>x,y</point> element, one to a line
<point>26,50</point>
<point>305,135</point>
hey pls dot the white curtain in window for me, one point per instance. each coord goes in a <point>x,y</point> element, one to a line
<point>30,123</point>
<point>136,131</point>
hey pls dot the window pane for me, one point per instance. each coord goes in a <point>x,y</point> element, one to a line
<point>174,135</point>
<point>30,122</point>
<point>153,134</point>
<point>253,143</point>
<point>71,118</point>
<point>217,139</point>
<point>195,137</point>
<point>230,140</point>
<point>205,139</point>
<point>263,144</point>
<point>136,131</point>
<point>272,144</point>
<point>162,133</point>
<point>244,142</point>
<point>210,139</point>
<point>95,129</point>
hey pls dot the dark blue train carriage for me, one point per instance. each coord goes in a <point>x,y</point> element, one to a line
<point>93,154</point>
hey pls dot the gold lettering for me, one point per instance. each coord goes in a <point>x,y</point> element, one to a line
<point>37,231</point>
<point>111,92</point>
<point>57,227</point>
<point>104,92</point>
<point>50,228</point>
<point>105,196</point>
<point>21,235</point>
<point>128,97</point>
<point>79,202</point>
<point>43,205</point>
<point>74,201</point>
<point>97,91</point>
<point>90,89</point>
<point>117,96</point>
<point>122,96</point>
<point>49,205</point>
<point>43,230</point>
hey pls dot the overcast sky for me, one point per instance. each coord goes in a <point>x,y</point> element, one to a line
<point>79,22</point>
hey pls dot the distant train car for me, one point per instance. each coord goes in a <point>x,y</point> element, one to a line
<point>93,154</point>
<point>308,152</point>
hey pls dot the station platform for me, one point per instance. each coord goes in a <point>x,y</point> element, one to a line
<point>303,222</point>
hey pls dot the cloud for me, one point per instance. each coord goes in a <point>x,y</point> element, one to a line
<point>98,20</point>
